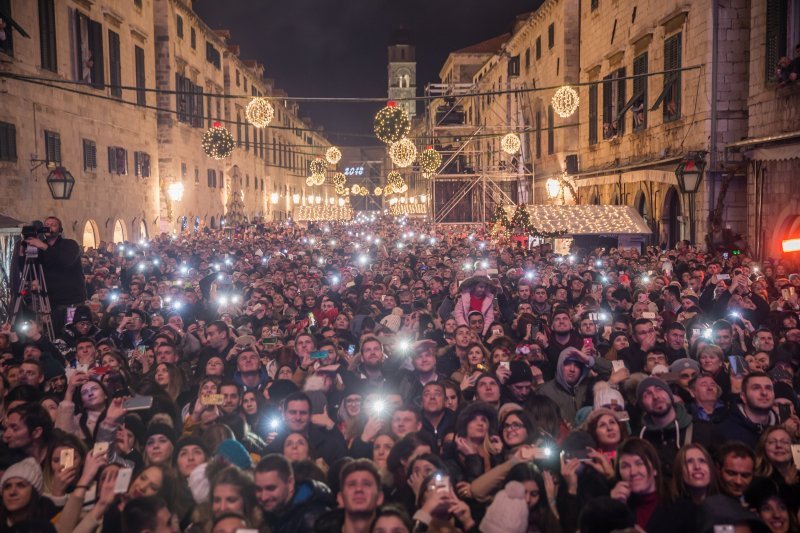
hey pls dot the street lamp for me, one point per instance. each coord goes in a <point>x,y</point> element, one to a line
<point>175,191</point>
<point>689,174</point>
<point>553,186</point>
<point>61,183</point>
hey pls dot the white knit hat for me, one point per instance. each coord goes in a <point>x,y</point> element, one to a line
<point>508,513</point>
<point>394,320</point>
<point>198,484</point>
<point>605,396</point>
<point>27,469</point>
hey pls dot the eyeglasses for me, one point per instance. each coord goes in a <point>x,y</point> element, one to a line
<point>516,426</point>
<point>775,442</point>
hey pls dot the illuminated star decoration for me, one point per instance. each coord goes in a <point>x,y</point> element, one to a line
<point>333,155</point>
<point>403,153</point>
<point>218,142</point>
<point>510,143</point>
<point>429,161</point>
<point>565,101</point>
<point>259,112</point>
<point>391,124</point>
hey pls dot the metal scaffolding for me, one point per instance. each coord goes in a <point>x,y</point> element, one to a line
<point>475,174</point>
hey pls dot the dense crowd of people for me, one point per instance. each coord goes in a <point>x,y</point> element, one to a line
<point>386,376</point>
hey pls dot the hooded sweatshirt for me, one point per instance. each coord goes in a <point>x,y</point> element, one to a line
<point>569,398</point>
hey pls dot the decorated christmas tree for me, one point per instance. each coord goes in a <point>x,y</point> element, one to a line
<point>500,223</point>
<point>521,221</point>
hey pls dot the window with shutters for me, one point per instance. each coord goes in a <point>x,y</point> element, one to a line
<point>238,127</point>
<point>141,94</point>
<point>193,39</point>
<point>551,135</point>
<point>8,142</point>
<point>52,147</point>
<point>213,57</point>
<point>114,65</point>
<point>638,101</point>
<point>184,171</point>
<point>7,42</point>
<point>117,160</point>
<point>141,163</point>
<point>188,101</point>
<point>782,26</point>
<point>539,47</point>
<point>538,134</point>
<point>211,178</point>
<point>89,155</point>
<point>527,59</point>
<point>551,35</point>
<point>88,50</point>
<point>671,102</point>
<point>196,176</point>
<point>593,114</point>
<point>179,26</point>
<point>613,104</point>
<point>47,35</point>
<point>594,4</point>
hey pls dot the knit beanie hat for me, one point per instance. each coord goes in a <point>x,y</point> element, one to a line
<point>652,381</point>
<point>520,372</point>
<point>683,364</point>
<point>508,513</point>
<point>27,469</point>
<point>134,424</point>
<point>236,454</point>
<point>198,484</point>
<point>393,320</point>
<point>190,441</point>
<point>82,314</point>
<point>159,428</point>
<point>605,396</point>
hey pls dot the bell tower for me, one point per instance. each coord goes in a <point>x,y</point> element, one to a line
<point>403,72</point>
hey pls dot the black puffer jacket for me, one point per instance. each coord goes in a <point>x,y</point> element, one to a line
<point>311,500</point>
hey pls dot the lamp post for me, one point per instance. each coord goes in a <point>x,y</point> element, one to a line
<point>60,182</point>
<point>689,174</point>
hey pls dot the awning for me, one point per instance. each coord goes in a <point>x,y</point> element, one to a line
<point>586,219</point>
<point>636,176</point>
<point>774,153</point>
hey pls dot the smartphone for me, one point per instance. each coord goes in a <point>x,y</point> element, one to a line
<point>725,277</point>
<point>617,365</point>
<point>505,364</point>
<point>138,403</point>
<point>312,321</point>
<point>786,294</point>
<point>784,412</point>
<point>796,455</point>
<point>607,331</point>
<point>695,332</point>
<point>581,455</point>
<point>441,483</point>
<point>100,448</point>
<point>351,350</point>
<point>212,399</point>
<point>269,341</point>
<point>498,332</point>
<point>319,354</point>
<point>588,343</point>
<point>649,315</point>
<point>67,458</point>
<point>123,480</point>
<point>737,365</point>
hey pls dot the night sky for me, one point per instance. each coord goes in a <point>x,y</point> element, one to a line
<point>338,48</point>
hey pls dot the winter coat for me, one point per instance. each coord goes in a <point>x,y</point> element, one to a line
<point>311,500</point>
<point>462,307</point>
<point>571,398</point>
<point>738,427</point>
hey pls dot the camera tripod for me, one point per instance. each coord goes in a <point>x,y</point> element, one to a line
<point>32,280</point>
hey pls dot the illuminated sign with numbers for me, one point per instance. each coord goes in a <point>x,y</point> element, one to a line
<point>354,171</point>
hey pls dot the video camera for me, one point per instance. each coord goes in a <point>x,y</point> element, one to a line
<point>36,229</point>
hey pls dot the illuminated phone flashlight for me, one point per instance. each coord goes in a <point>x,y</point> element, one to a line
<point>467,266</point>
<point>433,240</point>
<point>755,269</point>
<point>598,263</point>
<point>411,234</point>
<point>471,238</point>
<point>24,326</point>
<point>645,279</point>
<point>571,258</point>
<point>220,276</point>
<point>217,267</point>
<point>223,300</point>
<point>547,451</point>
<point>559,259</point>
<point>114,296</point>
<point>603,317</point>
<point>707,333</point>
<point>274,423</point>
<point>335,280</point>
<point>377,241</point>
<point>321,261</point>
<point>399,245</point>
<point>130,253</point>
<point>362,260</point>
<point>228,261</point>
<point>263,260</point>
<point>140,267</point>
<point>403,345</point>
<point>236,298</point>
<point>156,262</point>
<point>482,245</point>
<point>333,242</point>
<point>184,269</point>
<point>121,248</point>
<point>168,299</point>
<point>605,279</point>
<point>357,246</point>
<point>378,407</point>
<point>304,240</point>
<point>734,314</point>
<point>528,275</point>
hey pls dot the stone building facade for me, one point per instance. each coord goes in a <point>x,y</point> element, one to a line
<point>79,93</point>
<point>771,150</point>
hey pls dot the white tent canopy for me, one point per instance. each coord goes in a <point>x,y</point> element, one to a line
<point>586,219</point>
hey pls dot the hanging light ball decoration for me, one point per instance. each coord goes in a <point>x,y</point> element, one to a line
<point>565,101</point>
<point>364,191</point>
<point>310,181</point>
<point>339,189</point>
<point>378,191</point>
<point>218,142</point>
<point>391,124</point>
<point>387,190</point>
<point>317,166</point>
<point>339,179</point>
<point>333,155</point>
<point>510,143</point>
<point>259,112</point>
<point>319,179</point>
<point>395,179</point>
<point>355,189</point>
<point>429,160</point>
<point>403,153</point>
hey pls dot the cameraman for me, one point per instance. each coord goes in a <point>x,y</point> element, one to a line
<point>61,263</point>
